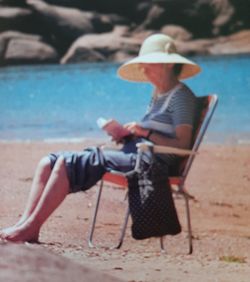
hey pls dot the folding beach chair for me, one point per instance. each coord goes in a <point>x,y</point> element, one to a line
<point>205,109</point>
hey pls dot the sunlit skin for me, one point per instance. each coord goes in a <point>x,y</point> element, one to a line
<point>48,190</point>
<point>50,187</point>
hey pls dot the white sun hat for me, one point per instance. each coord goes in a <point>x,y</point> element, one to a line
<point>157,48</point>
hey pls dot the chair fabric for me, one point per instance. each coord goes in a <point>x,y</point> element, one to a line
<point>205,109</point>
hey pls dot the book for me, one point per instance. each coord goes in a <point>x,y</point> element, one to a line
<point>113,128</point>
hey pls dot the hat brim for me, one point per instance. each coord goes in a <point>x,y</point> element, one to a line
<point>133,72</point>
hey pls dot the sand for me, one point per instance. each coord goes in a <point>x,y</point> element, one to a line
<point>220,182</point>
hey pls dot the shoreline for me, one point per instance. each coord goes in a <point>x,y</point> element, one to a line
<point>231,140</point>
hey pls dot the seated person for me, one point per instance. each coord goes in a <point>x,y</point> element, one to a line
<point>168,121</point>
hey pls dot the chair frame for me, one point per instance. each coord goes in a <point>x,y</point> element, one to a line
<point>119,178</point>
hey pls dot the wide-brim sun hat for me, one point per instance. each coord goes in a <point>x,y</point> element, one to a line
<point>157,48</point>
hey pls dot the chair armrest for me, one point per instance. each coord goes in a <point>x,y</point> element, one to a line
<point>172,150</point>
<point>165,149</point>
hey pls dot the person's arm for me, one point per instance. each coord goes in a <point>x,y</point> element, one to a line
<point>182,140</point>
<point>183,111</point>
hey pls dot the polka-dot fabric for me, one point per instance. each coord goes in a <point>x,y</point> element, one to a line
<point>151,203</point>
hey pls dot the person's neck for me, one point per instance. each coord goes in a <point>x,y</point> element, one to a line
<point>166,85</point>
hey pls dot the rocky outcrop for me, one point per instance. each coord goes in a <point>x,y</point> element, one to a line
<point>69,31</point>
<point>102,47</point>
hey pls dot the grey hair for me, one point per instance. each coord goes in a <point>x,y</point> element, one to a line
<point>177,69</point>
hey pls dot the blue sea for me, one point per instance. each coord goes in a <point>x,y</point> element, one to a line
<point>63,102</point>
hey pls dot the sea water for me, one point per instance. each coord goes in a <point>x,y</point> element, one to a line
<point>63,102</point>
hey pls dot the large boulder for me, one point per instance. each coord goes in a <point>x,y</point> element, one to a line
<point>6,36</point>
<point>27,263</point>
<point>101,47</point>
<point>67,24</point>
<point>19,48</point>
<point>237,43</point>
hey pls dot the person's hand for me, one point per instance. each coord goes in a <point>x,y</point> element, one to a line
<point>136,129</point>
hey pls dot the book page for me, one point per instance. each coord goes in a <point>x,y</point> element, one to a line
<point>113,128</point>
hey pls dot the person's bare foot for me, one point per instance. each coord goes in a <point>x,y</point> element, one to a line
<point>7,230</point>
<point>22,233</point>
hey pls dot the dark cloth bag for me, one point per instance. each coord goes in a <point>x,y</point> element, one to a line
<point>151,203</point>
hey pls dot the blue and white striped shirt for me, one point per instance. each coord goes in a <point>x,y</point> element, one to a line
<point>169,110</point>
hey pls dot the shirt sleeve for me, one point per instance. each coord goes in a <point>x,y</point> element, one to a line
<point>183,108</point>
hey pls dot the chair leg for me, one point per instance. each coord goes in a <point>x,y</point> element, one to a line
<point>92,227</point>
<point>189,225</point>
<point>123,229</point>
<point>162,244</point>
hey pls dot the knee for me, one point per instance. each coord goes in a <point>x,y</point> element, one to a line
<point>59,167</point>
<point>44,164</point>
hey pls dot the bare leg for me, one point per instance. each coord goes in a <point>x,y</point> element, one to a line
<point>55,191</point>
<point>40,180</point>
<point>41,177</point>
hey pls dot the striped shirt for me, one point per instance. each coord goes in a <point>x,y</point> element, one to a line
<point>169,110</point>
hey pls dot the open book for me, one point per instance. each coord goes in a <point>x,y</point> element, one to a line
<point>113,128</point>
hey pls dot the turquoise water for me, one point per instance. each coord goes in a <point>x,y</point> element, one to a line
<point>63,102</point>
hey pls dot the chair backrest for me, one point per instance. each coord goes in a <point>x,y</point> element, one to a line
<point>205,109</point>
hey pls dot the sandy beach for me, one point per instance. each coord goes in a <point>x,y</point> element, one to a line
<point>219,181</point>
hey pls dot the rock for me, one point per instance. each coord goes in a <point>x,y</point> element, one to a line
<point>26,50</point>
<point>6,36</point>
<point>177,32</point>
<point>193,47</point>
<point>14,18</point>
<point>103,46</point>
<point>237,43</point>
<point>98,47</point>
<point>27,263</point>
<point>68,23</point>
